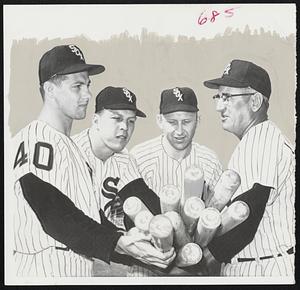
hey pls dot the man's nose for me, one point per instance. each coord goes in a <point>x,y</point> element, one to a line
<point>87,93</point>
<point>124,125</point>
<point>220,106</point>
<point>179,129</point>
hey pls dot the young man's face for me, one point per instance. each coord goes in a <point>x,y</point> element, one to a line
<point>179,128</point>
<point>115,128</point>
<point>72,95</point>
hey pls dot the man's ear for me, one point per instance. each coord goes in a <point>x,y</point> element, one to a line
<point>159,120</point>
<point>95,120</point>
<point>49,88</point>
<point>256,101</point>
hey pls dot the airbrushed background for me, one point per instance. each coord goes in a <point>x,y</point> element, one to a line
<point>148,48</point>
<point>150,63</point>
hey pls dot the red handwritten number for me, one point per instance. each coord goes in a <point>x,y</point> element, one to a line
<point>229,12</point>
<point>214,14</point>
<point>203,20</point>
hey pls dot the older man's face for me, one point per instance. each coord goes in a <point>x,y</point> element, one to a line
<point>236,113</point>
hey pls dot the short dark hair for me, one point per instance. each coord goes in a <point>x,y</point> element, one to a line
<point>57,80</point>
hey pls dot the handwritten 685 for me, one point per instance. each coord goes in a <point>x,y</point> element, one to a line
<point>214,14</point>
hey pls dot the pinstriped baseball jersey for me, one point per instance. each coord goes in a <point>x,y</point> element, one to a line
<point>110,177</point>
<point>159,169</point>
<point>265,156</point>
<point>54,158</point>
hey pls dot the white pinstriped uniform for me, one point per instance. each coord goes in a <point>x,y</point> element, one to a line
<point>159,169</point>
<point>117,171</point>
<point>264,156</point>
<point>35,253</point>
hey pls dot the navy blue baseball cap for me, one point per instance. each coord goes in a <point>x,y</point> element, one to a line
<point>63,60</point>
<point>117,98</point>
<point>243,74</point>
<point>178,99</point>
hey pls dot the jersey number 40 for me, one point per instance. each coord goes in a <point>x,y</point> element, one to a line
<point>42,157</point>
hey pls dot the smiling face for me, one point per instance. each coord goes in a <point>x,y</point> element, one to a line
<point>179,128</point>
<point>72,95</point>
<point>114,128</point>
<point>236,113</point>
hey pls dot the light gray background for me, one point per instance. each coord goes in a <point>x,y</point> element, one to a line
<point>151,63</point>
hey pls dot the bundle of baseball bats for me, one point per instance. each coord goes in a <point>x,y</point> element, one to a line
<point>187,222</point>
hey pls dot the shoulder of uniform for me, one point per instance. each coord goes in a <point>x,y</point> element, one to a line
<point>80,137</point>
<point>203,150</point>
<point>147,146</point>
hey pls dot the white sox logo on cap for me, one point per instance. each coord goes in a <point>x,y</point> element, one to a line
<point>76,50</point>
<point>178,94</point>
<point>127,95</point>
<point>227,69</point>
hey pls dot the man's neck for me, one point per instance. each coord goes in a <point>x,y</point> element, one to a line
<point>254,122</point>
<point>56,120</point>
<point>99,149</point>
<point>174,153</point>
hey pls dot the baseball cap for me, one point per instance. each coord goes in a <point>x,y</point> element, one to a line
<point>243,74</point>
<point>117,98</point>
<point>63,60</point>
<point>178,99</point>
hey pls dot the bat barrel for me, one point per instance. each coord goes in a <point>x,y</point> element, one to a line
<point>208,223</point>
<point>193,183</point>
<point>191,212</point>
<point>161,229</point>
<point>169,198</point>
<point>132,206</point>
<point>181,236</point>
<point>142,220</point>
<point>232,216</point>
<point>188,255</point>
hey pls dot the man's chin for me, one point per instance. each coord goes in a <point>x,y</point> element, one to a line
<point>180,146</point>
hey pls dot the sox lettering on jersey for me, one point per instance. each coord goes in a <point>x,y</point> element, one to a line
<point>111,192</point>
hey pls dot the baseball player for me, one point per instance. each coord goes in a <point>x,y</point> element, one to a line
<point>57,227</point>
<point>164,159</point>
<point>263,245</point>
<point>103,145</point>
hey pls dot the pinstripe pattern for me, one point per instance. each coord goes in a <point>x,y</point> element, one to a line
<point>119,166</point>
<point>159,169</point>
<point>265,156</point>
<point>70,175</point>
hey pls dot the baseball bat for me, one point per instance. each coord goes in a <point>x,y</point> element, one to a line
<point>142,220</point>
<point>169,198</point>
<point>226,186</point>
<point>191,212</point>
<point>232,216</point>
<point>193,183</point>
<point>188,255</point>
<point>181,236</point>
<point>208,223</point>
<point>161,229</point>
<point>132,206</point>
